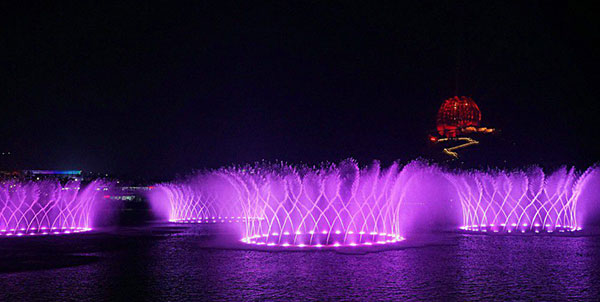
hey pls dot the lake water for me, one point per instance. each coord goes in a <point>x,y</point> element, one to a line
<point>168,264</point>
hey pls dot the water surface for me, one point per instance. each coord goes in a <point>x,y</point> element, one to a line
<point>164,264</point>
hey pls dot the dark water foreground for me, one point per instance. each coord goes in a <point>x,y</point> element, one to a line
<point>169,264</point>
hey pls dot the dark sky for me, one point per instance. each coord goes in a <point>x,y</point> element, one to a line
<point>164,88</point>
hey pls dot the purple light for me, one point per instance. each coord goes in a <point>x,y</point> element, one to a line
<point>340,205</point>
<point>296,206</point>
<point>208,195</point>
<point>261,240</point>
<point>33,207</point>
<point>345,206</point>
<point>528,200</point>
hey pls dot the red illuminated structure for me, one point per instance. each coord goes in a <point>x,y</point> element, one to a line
<point>458,117</point>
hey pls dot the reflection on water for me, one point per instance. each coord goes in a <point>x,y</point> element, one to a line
<point>145,264</point>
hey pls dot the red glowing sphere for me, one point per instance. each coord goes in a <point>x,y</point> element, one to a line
<point>456,114</point>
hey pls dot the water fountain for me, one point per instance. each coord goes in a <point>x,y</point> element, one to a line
<point>47,207</point>
<point>520,201</point>
<point>207,197</point>
<point>284,205</point>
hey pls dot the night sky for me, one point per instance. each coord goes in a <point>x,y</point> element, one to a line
<point>157,90</point>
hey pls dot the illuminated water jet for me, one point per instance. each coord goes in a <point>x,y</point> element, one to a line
<point>520,201</point>
<point>281,205</point>
<point>29,208</point>
<point>203,198</point>
<point>287,206</point>
<point>334,206</point>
